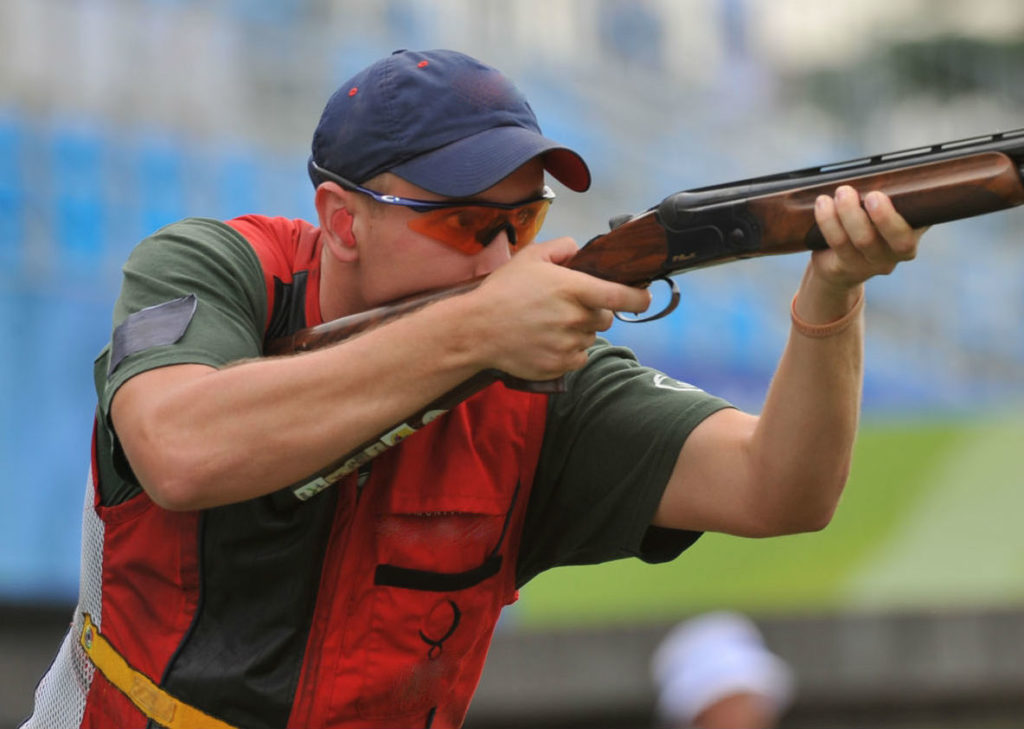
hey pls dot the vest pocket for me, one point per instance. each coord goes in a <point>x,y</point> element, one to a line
<point>438,588</point>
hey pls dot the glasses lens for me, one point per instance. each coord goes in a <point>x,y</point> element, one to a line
<point>528,220</point>
<point>468,229</point>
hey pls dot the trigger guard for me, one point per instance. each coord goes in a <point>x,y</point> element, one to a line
<point>672,304</point>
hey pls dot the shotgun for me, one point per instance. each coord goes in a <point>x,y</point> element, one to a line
<point>712,225</point>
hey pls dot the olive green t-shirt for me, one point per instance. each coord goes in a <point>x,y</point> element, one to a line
<point>194,292</point>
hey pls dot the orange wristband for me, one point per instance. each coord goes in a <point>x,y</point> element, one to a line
<point>820,331</point>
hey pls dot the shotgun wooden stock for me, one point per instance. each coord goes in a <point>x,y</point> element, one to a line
<point>708,226</point>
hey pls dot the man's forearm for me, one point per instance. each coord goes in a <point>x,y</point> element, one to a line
<point>198,437</point>
<point>803,443</point>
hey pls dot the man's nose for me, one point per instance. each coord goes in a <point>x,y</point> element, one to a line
<point>494,254</point>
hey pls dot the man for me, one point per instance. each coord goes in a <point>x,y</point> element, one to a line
<point>211,597</point>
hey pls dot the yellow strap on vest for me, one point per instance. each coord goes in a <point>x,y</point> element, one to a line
<point>152,700</point>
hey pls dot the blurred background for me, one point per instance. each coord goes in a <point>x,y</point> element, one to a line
<point>119,116</point>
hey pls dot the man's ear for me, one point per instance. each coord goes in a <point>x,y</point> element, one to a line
<point>332,207</point>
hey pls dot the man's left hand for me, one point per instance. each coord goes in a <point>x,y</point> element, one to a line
<point>864,241</point>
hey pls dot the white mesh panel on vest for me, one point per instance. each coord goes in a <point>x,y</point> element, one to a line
<point>60,696</point>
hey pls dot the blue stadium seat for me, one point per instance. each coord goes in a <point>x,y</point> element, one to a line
<point>237,181</point>
<point>287,190</point>
<point>79,176</point>
<point>12,191</point>
<point>51,393</point>
<point>160,178</point>
<point>10,451</point>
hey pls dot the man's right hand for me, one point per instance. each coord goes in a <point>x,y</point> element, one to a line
<point>534,318</point>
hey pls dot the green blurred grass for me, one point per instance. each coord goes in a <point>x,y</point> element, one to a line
<point>896,468</point>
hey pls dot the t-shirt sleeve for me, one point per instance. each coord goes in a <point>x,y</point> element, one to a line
<point>610,443</point>
<point>192,293</point>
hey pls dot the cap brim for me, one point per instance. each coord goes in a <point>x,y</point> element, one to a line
<point>473,164</point>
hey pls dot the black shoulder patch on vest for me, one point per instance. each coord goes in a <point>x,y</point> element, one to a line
<point>289,312</point>
<point>153,326</point>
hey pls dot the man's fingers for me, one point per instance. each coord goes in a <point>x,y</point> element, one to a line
<point>556,250</point>
<point>827,217</point>
<point>600,320</point>
<point>875,233</point>
<point>858,226</point>
<point>902,239</point>
<point>595,293</point>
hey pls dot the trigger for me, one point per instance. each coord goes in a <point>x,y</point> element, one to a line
<point>669,308</point>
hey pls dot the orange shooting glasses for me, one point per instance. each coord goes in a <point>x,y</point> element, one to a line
<point>466,226</point>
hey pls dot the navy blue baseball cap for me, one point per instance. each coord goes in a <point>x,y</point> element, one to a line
<point>441,120</point>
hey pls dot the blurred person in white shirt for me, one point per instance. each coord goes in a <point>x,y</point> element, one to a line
<point>715,672</point>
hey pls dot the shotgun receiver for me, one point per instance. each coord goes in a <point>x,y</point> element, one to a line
<point>711,225</point>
